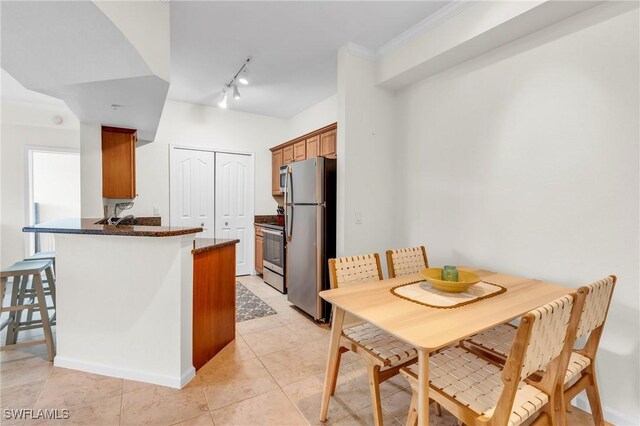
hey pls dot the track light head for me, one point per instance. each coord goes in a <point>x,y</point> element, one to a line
<point>236,92</point>
<point>223,100</point>
<point>244,76</point>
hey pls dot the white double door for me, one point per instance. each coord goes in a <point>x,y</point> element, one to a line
<point>214,190</point>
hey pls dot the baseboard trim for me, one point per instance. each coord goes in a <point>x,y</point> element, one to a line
<point>176,382</point>
<point>610,415</point>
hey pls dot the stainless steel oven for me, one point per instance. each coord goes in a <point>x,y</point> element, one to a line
<point>273,258</point>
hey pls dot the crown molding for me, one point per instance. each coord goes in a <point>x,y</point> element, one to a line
<point>441,15</point>
<point>361,51</point>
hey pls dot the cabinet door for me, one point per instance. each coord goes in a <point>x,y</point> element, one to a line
<point>299,151</point>
<point>276,162</point>
<point>118,163</point>
<point>328,144</point>
<point>287,154</point>
<point>259,255</point>
<point>313,145</point>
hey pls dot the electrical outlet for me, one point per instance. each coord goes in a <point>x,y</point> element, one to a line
<point>156,211</point>
<point>358,218</point>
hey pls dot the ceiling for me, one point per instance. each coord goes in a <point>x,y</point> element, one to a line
<point>293,46</point>
<point>67,49</point>
<point>13,90</point>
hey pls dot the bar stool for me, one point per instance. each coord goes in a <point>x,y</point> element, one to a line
<point>20,273</point>
<point>50,288</point>
<point>44,255</point>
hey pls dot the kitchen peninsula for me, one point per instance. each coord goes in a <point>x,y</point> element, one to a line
<point>140,302</point>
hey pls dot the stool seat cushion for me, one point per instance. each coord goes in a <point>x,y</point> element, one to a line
<point>26,268</point>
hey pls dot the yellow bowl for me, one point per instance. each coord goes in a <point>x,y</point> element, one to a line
<point>465,280</point>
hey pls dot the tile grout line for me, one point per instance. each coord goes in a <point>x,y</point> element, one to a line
<point>121,404</point>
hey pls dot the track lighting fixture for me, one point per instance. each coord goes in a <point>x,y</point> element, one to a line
<point>240,77</point>
<point>223,100</point>
<point>244,77</point>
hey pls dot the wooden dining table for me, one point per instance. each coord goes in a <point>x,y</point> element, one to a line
<point>428,328</point>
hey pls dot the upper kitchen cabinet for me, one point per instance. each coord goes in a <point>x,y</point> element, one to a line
<point>313,146</point>
<point>328,144</point>
<point>276,162</point>
<point>319,143</point>
<point>299,151</point>
<point>287,154</point>
<point>118,162</point>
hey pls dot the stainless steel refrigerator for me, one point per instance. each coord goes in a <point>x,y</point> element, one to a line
<point>310,228</point>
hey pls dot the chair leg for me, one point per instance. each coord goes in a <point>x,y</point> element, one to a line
<point>438,409</point>
<point>594,398</point>
<point>334,376</point>
<point>11,325</point>
<point>51,283</point>
<point>374,389</point>
<point>555,408</point>
<point>44,314</point>
<point>412,418</point>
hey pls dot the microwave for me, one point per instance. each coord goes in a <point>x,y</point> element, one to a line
<point>283,177</point>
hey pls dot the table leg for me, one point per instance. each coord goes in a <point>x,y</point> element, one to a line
<point>423,387</point>
<point>332,361</point>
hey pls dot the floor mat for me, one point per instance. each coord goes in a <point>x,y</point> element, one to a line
<point>250,306</point>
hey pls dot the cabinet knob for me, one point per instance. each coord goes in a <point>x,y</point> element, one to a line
<point>226,224</point>
<point>202,224</point>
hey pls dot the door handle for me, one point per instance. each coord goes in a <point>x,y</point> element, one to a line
<point>289,229</point>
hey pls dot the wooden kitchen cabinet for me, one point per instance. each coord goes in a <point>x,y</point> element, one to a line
<point>214,302</point>
<point>259,256</point>
<point>287,154</point>
<point>276,162</point>
<point>328,144</point>
<point>320,142</point>
<point>118,162</point>
<point>300,151</point>
<point>313,145</point>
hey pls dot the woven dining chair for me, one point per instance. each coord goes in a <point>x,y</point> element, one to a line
<point>406,261</point>
<point>580,369</point>
<point>479,392</point>
<point>383,353</point>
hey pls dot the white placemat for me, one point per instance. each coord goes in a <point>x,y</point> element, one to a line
<point>424,293</point>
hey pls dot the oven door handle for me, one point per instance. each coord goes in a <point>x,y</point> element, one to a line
<point>279,233</point>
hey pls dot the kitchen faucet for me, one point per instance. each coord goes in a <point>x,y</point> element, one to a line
<point>129,216</point>
<point>122,207</point>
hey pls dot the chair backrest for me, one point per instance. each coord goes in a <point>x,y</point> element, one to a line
<point>549,324</point>
<point>596,305</point>
<point>544,337</point>
<point>353,269</point>
<point>406,261</point>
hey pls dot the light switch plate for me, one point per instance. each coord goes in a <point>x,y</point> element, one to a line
<point>358,218</point>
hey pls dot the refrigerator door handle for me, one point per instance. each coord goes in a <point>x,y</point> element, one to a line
<point>288,218</point>
<point>289,223</point>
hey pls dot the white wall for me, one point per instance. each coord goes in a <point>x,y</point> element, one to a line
<point>366,147</point>
<point>203,126</point>
<point>91,170</point>
<point>525,161</point>
<point>25,125</point>
<point>315,117</point>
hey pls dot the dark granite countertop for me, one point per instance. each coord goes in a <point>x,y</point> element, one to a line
<point>201,245</point>
<point>88,226</point>
<point>270,225</point>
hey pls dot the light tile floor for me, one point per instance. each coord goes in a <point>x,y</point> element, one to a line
<point>272,374</point>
